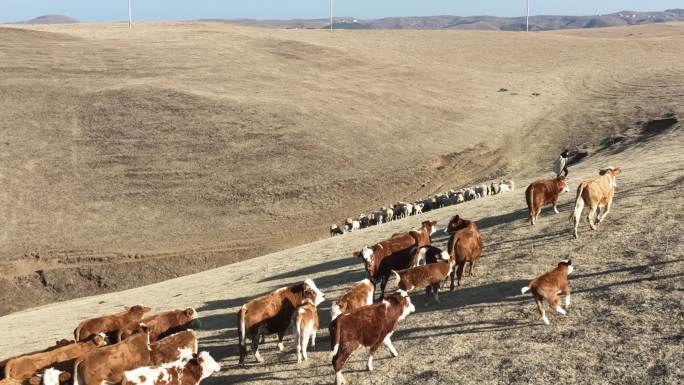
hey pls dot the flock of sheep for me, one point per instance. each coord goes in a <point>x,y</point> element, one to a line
<point>403,209</point>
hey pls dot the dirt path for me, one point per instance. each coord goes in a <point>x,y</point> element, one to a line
<point>624,326</point>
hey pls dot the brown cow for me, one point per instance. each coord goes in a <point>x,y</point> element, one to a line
<point>110,323</point>
<point>182,345</point>
<point>465,245</point>
<point>596,193</point>
<point>26,366</point>
<point>369,326</point>
<point>548,285</point>
<point>543,192</point>
<point>181,372</point>
<point>423,235</point>
<point>58,344</point>
<point>428,276</point>
<point>361,294</point>
<point>272,314</point>
<point>305,320</point>
<point>163,324</point>
<point>108,364</point>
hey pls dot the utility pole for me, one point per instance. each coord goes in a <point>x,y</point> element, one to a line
<point>527,23</point>
<point>331,15</point>
<point>130,15</point>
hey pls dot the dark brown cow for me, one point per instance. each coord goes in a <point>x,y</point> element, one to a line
<point>108,364</point>
<point>272,314</point>
<point>182,345</point>
<point>596,192</point>
<point>548,286</point>
<point>26,366</point>
<point>369,326</point>
<point>465,245</point>
<point>428,276</point>
<point>542,193</point>
<point>361,294</point>
<point>163,324</point>
<point>181,372</point>
<point>111,323</point>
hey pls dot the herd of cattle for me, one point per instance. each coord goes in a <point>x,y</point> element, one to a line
<point>403,209</point>
<point>162,349</point>
<point>123,348</point>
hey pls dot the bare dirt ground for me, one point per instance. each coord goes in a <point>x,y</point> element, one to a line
<point>132,157</point>
<point>625,324</point>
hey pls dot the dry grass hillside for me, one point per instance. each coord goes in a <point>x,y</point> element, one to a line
<point>624,325</point>
<point>130,157</point>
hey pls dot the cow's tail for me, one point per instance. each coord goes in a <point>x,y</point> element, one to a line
<point>525,289</point>
<point>334,337</point>
<point>579,204</point>
<point>529,196</point>
<point>242,333</point>
<point>77,334</point>
<point>335,311</point>
<point>76,379</point>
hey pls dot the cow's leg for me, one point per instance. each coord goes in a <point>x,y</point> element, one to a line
<point>383,284</point>
<point>281,335</point>
<point>554,303</point>
<point>255,345</point>
<point>459,271</point>
<point>591,217</point>
<point>537,212</point>
<point>341,358</point>
<point>305,340</point>
<point>298,340</point>
<point>603,215</point>
<point>540,307</point>
<point>471,267</point>
<point>555,205</point>
<point>313,339</point>
<point>388,343</point>
<point>453,274</point>
<point>566,291</point>
<point>435,292</point>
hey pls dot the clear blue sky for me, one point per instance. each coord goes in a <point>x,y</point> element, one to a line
<point>107,10</point>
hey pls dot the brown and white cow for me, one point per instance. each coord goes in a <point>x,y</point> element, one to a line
<point>181,372</point>
<point>182,345</point>
<point>26,366</point>
<point>596,193</point>
<point>272,314</point>
<point>361,294</point>
<point>163,324</point>
<point>548,286</point>
<point>108,364</point>
<point>305,320</point>
<point>428,276</point>
<point>394,253</point>
<point>423,235</point>
<point>369,326</point>
<point>544,192</point>
<point>110,323</point>
<point>465,245</point>
<point>50,376</point>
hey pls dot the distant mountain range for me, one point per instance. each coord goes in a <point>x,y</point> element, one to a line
<point>50,19</point>
<point>537,23</point>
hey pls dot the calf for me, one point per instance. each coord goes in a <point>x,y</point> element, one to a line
<point>272,314</point>
<point>24,367</point>
<point>361,294</point>
<point>423,235</point>
<point>182,345</point>
<point>548,286</point>
<point>163,324</point>
<point>181,372</point>
<point>305,320</point>
<point>596,193</point>
<point>111,323</point>
<point>394,253</point>
<point>465,245</point>
<point>429,276</point>
<point>108,364</point>
<point>369,326</point>
<point>543,192</point>
<point>335,230</point>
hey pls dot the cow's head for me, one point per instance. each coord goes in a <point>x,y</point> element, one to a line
<point>50,376</point>
<point>430,226</point>
<point>367,254</point>
<point>405,302</point>
<point>138,309</point>
<point>566,263</point>
<point>208,364</point>
<point>612,172</point>
<point>312,292</point>
<point>457,223</point>
<point>563,184</point>
<point>192,317</point>
<point>100,340</point>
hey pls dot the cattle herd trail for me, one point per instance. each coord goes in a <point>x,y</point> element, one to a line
<point>133,158</point>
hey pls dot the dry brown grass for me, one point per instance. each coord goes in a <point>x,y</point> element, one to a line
<point>213,143</point>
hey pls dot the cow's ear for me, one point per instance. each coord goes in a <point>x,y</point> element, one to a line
<point>356,254</point>
<point>569,262</point>
<point>64,377</point>
<point>144,327</point>
<point>189,312</point>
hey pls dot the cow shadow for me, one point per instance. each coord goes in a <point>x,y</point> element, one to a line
<point>423,332</point>
<point>315,269</point>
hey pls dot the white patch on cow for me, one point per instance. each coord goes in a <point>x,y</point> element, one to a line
<point>560,310</point>
<point>571,268</point>
<point>403,293</point>
<point>319,294</point>
<point>546,320</point>
<point>566,189</point>
<point>335,349</point>
<point>209,365</point>
<point>434,230</point>
<point>369,365</point>
<point>51,376</point>
<point>185,353</point>
<point>408,309</point>
<point>388,342</point>
<point>567,300</point>
<point>367,254</point>
<point>281,347</point>
<point>421,256</point>
<point>301,310</point>
<point>384,302</point>
<point>339,379</point>
<point>369,297</point>
<point>445,256</point>
<point>194,314</point>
